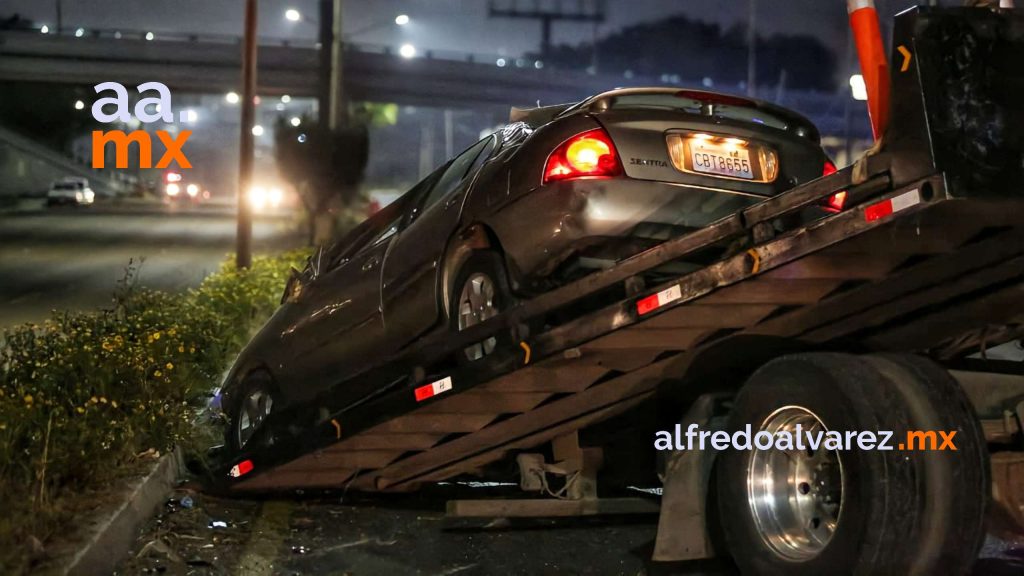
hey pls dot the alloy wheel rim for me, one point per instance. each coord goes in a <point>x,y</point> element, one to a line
<point>256,407</point>
<point>477,304</point>
<point>795,496</point>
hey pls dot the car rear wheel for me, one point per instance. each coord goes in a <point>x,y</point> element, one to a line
<point>802,511</point>
<point>480,292</point>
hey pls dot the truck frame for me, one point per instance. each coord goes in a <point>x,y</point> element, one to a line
<point>923,267</point>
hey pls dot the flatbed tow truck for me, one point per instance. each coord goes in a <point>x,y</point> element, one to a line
<point>919,274</point>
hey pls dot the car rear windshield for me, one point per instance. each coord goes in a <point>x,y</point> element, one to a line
<point>66,186</point>
<point>692,105</point>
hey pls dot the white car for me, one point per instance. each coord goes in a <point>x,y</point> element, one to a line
<point>70,191</point>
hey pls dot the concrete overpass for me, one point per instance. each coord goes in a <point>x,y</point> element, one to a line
<point>212,65</point>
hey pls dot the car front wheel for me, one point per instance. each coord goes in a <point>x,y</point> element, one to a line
<point>252,406</point>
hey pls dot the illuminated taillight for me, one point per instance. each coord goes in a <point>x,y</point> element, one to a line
<point>588,155</point>
<point>835,202</point>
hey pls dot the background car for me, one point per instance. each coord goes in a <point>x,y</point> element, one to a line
<point>177,189</point>
<point>559,192</point>
<point>70,191</point>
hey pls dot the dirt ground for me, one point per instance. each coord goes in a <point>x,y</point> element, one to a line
<point>359,534</point>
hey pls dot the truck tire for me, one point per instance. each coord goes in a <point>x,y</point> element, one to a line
<point>857,511</point>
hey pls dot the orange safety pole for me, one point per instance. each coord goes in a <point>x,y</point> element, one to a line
<point>874,65</point>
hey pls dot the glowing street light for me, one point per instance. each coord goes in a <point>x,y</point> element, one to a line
<point>44,29</point>
<point>257,130</point>
<point>295,121</point>
<point>292,15</point>
<point>79,105</point>
<point>859,88</point>
<point>407,51</point>
<point>402,19</point>
<point>232,97</point>
<point>286,98</point>
<point>79,32</point>
<point>149,36</point>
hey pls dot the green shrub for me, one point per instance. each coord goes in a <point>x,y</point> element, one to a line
<point>85,392</point>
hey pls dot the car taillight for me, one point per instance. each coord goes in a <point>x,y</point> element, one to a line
<point>588,155</point>
<point>835,202</point>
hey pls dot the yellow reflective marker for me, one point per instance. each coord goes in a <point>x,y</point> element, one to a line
<point>526,348</point>
<point>906,57</point>
<point>757,261</point>
<point>337,428</point>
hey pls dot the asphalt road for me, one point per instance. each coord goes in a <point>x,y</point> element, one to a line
<point>397,534</point>
<point>72,258</point>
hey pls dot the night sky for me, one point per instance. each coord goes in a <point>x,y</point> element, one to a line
<point>458,25</point>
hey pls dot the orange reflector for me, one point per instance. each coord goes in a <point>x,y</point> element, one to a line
<point>241,469</point>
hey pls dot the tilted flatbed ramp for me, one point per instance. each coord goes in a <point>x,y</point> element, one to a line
<point>931,274</point>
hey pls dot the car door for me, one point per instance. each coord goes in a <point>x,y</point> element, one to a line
<point>411,284</point>
<point>343,330</point>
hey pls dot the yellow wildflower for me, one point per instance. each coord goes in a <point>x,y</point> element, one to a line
<point>28,399</point>
<point>103,399</point>
<point>158,373</point>
<point>113,403</point>
<point>80,410</point>
<point>170,366</point>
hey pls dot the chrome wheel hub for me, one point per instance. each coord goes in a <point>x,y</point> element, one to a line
<point>476,304</point>
<point>256,406</point>
<point>795,496</point>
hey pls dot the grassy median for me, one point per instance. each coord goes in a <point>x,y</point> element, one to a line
<point>87,395</point>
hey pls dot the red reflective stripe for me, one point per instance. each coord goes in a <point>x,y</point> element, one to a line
<point>433,389</point>
<point>241,469</point>
<point>878,211</point>
<point>424,392</point>
<point>647,304</point>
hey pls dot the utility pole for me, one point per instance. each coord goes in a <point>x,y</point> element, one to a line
<point>752,50</point>
<point>60,17</point>
<point>243,256</point>
<point>333,111</point>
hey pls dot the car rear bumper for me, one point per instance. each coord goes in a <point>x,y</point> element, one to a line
<point>603,220</point>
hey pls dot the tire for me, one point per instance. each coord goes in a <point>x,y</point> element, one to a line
<point>250,405</point>
<point>873,512</point>
<point>482,274</point>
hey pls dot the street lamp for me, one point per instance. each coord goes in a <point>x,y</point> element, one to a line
<point>79,105</point>
<point>407,51</point>
<point>292,15</point>
<point>232,97</point>
<point>402,19</point>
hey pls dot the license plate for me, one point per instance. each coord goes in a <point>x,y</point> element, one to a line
<point>720,159</point>
<point>722,156</point>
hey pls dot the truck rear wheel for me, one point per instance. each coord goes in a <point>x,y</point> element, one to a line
<point>805,510</point>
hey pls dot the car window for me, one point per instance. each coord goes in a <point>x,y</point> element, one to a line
<point>463,165</point>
